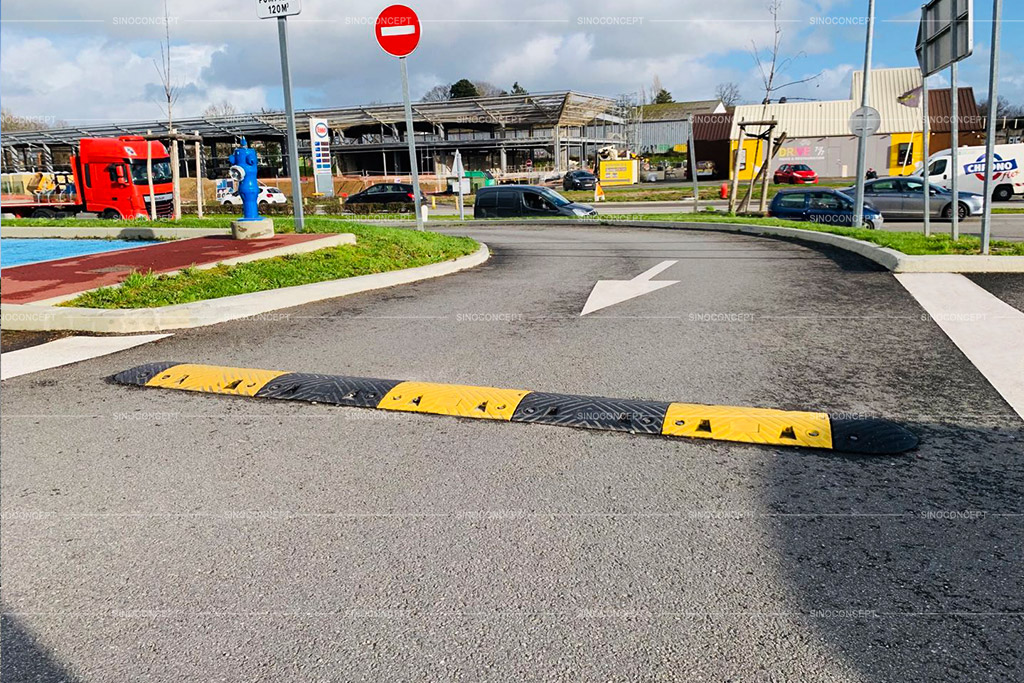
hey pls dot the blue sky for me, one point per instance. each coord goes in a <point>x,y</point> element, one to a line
<point>74,61</point>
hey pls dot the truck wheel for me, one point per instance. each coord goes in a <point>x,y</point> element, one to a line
<point>111,215</point>
<point>1003,193</point>
<point>43,213</point>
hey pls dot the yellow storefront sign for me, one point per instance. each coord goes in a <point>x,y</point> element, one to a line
<point>620,172</point>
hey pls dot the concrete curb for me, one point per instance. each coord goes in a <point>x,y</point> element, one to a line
<point>895,261</point>
<point>37,317</point>
<point>335,240</point>
<point>128,233</point>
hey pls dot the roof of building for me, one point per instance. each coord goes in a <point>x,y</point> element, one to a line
<point>832,118</point>
<point>940,111</point>
<point>677,111</point>
<point>566,107</point>
<point>712,127</point>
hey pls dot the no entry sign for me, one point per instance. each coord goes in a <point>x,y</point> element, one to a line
<point>398,30</point>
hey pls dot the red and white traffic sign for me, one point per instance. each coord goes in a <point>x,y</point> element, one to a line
<point>398,30</point>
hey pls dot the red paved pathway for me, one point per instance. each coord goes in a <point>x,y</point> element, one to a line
<point>38,281</point>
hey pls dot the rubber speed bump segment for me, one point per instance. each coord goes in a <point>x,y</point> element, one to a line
<point>723,423</point>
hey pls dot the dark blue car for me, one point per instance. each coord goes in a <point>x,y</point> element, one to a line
<point>821,205</point>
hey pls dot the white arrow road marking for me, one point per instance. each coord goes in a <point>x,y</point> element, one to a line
<point>610,292</point>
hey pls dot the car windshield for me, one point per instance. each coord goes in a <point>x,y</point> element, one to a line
<point>161,171</point>
<point>553,197</point>
<point>801,167</point>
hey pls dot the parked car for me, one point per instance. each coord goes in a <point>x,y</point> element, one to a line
<point>796,174</point>
<point>515,201</point>
<point>904,198</point>
<point>386,193</point>
<point>268,195</point>
<point>822,205</point>
<point>579,180</point>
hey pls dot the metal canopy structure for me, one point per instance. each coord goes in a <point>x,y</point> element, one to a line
<point>565,108</point>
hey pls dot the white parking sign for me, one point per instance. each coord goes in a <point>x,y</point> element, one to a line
<point>269,9</point>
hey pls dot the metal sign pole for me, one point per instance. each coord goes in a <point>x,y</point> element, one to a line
<point>990,127</point>
<point>691,152</point>
<point>954,143</point>
<point>459,172</point>
<point>293,145</point>
<point>862,143</point>
<point>926,144</point>
<point>410,135</point>
<point>737,157</point>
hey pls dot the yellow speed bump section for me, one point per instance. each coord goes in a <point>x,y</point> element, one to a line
<point>748,425</point>
<point>453,399</point>
<point>213,379</point>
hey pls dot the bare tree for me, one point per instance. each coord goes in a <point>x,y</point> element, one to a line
<point>163,68</point>
<point>1003,109</point>
<point>769,61</point>
<point>728,93</point>
<point>771,65</point>
<point>439,93</point>
<point>487,89</point>
<point>10,122</point>
<point>220,109</point>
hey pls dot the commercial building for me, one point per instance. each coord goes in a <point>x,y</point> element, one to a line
<point>506,134</point>
<point>940,114</point>
<point>818,133</point>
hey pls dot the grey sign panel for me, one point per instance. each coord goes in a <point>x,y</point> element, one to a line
<point>865,121</point>
<point>941,20</point>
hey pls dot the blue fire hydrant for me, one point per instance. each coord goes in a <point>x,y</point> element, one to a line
<point>243,170</point>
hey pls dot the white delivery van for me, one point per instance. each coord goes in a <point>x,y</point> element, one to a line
<point>1009,175</point>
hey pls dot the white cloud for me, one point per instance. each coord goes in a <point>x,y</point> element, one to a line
<point>100,80</point>
<point>98,63</point>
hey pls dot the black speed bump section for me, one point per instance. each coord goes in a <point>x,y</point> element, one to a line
<point>357,392</point>
<point>688,420</point>
<point>592,412</point>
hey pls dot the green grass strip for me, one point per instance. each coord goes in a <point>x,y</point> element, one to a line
<point>377,250</point>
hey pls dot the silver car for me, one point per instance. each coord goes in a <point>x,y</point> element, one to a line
<point>904,198</point>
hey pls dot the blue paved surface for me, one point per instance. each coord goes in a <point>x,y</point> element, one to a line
<point>17,252</point>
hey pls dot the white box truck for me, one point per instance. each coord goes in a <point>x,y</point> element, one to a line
<point>1009,171</point>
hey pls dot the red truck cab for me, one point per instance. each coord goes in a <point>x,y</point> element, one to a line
<point>111,177</point>
<point>108,177</point>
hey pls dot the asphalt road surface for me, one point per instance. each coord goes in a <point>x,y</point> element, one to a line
<point>1004,226</point>
<point>169,536</point>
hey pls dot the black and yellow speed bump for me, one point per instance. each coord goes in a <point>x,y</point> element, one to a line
<point>723,423</point>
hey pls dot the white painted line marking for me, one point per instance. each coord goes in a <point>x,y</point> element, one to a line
<point>398,30</point>
<point>65,352</point>
<point>989,331</point>
<point>610,292</point>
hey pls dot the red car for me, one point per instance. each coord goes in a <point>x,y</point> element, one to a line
<point>796,174</point>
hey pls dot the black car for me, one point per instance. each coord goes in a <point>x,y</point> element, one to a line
<point>516,201</point>
<point>385,193</point>
<point>579,180</point>
<point>821,205</point>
